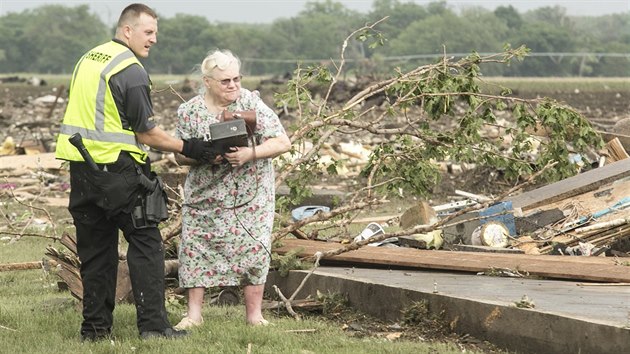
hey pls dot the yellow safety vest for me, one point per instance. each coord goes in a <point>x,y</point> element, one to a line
<point>92,112</point>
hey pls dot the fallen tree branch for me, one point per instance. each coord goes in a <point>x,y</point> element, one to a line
<point>22,234</point>
<point>17,236</point>
<point>287,302</point>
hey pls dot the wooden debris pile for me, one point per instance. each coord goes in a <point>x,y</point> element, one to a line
<point>575,229</point>
<point>588,214</point>
<point>33,124</point>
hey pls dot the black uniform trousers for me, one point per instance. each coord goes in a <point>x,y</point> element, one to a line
<point>97,247</point>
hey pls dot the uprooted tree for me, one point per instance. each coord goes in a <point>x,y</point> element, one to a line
<point>432,113</point>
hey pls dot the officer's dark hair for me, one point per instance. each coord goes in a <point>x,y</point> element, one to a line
<point>132,12</point>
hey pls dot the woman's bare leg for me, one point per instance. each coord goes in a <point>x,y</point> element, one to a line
<point>253,303</point>
<point>195,302</point>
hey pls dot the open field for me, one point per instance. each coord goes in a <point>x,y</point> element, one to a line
<point>598,99</point>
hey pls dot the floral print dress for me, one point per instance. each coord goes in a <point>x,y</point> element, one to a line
<point>228,212</point>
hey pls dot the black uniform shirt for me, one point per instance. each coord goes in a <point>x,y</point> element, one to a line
<point>131,89</point>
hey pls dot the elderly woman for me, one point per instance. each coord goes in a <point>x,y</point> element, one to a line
<point>229,205</point>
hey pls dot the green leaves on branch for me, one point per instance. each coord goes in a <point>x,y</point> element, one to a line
<point>436,113</point>
<point>408,167</point>
<point>566,129</point>
<point>377,39</point>
<point>287,262</point>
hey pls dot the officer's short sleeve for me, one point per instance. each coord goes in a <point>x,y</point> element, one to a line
<point>131,89</point>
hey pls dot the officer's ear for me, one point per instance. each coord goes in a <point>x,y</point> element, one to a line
<point>127,30</point>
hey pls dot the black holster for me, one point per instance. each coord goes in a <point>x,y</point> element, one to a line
<point>153,204</point>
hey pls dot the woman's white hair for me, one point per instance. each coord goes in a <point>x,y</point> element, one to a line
<point>220,59</point>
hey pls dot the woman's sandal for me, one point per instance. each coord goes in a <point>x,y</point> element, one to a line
<point>262,322</point>
<point>187,323</point>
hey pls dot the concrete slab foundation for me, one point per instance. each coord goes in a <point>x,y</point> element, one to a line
<point>568,317</point>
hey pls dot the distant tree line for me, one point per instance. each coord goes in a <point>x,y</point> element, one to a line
<point>50,39</point>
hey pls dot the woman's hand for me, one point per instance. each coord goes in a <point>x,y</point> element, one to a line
<point>239,155</point>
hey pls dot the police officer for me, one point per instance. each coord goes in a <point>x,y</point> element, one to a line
<point>110,106</point>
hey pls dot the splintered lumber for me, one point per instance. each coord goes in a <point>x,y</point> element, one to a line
<point>616,151</point>
<point>26,265</point>
<point>572,186</point>
<point>70,274</point>
<point>70,242</point>
<point>597,237</point>
<point>596,269</point>
<point>72,279</point>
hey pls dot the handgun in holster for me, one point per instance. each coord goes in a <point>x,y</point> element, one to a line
<point>152,206</point>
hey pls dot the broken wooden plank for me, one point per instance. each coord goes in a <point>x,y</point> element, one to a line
<point>70,242</point>
<point>71,277</point>
<point>597,269</point>
<point>27,265</point>
<point>572,186</point>
<point>616,151</point>
<point>29,162</point>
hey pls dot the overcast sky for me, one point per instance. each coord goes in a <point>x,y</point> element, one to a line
<point>265,11</point>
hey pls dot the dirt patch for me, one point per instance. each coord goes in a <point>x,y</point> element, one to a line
<point>416,325</point>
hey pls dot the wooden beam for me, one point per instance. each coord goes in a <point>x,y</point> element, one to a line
<point>572,186</point>
<point>598,269</point>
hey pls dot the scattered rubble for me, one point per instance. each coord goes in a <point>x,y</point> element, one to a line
<point>586,215</point>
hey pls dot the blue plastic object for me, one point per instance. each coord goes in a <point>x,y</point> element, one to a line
<point>501,212</point>
<point>308,211</point>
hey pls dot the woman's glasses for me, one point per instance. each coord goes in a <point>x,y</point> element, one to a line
<point>226,82</point>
